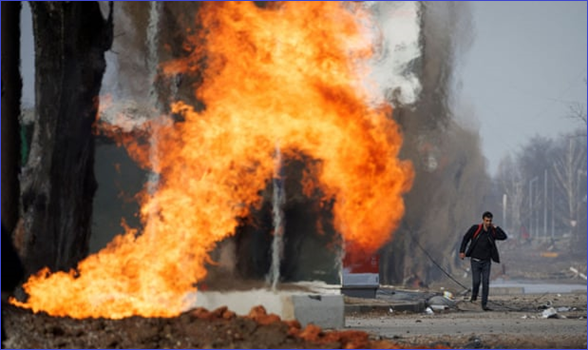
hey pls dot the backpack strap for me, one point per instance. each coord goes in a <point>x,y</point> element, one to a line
<point>477,231</point>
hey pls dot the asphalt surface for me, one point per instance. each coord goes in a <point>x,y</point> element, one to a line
<point>517,320</point>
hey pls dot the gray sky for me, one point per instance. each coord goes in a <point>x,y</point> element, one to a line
<point>27,56</point>
<point>526,64</point>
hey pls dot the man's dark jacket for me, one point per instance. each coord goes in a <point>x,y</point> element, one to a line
<point>495,234</point>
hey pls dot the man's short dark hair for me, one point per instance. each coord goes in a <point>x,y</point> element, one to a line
<point>487,214</point>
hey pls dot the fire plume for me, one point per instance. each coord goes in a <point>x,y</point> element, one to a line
<point>292,76</point>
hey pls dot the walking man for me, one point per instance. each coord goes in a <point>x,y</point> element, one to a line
<point>481,251</point>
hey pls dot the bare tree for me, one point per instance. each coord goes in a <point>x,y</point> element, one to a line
<point>513,184</point>
<point>11,93</point>
<point>535,161</point>
<point>570,169</point>
<point>578,112</point>
<point>58,181</point>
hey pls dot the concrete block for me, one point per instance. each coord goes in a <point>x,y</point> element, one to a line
<point>325,311</point>
<point>360,285</point>
<point>361,279</point>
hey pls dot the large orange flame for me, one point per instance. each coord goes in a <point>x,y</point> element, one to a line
<point>292,77</point>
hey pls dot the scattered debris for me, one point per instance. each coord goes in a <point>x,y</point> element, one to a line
<point>577,273</point>
<point>441,302</point>
<point>549,313</point>
<point>474,343</point>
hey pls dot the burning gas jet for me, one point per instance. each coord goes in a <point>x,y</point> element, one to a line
<point>294,75</point>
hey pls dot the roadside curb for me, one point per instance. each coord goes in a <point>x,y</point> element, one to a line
<point>417,307</point>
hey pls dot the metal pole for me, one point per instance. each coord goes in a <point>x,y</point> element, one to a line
<point>531,205</point>
<point>504,198</point>
<point>552,209</point>
<point>545,204</point>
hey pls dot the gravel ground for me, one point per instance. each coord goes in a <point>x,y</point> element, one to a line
<point>516,322</point>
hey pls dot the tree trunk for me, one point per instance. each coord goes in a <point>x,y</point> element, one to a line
<point>58,182</point>
<point>11,93</point>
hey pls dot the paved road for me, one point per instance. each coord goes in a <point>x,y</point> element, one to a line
<point>540,287</point>
<point>466,323</point>
<point>516,323</point>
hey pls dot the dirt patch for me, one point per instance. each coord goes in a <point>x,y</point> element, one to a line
<point>199,328</point>
<point>515,323</point>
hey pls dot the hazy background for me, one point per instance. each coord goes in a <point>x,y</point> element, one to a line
<point>525,67</point>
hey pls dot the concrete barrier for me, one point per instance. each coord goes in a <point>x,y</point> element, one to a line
<point>325,311</point>
<point>417,306</point>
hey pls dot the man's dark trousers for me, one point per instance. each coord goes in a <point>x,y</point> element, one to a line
<point>481,273</point>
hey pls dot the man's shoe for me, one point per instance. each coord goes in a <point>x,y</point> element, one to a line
<point>486,308</point>
<point>472,299</point>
